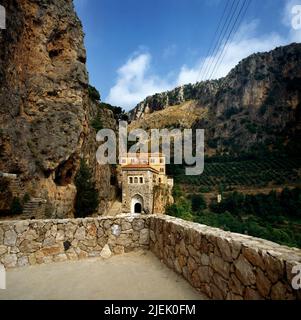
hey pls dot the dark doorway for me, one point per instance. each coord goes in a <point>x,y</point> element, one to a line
<point>138,208</point>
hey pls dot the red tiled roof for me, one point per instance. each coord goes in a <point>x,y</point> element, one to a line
<point>139,166</point>
<point>142,155</point>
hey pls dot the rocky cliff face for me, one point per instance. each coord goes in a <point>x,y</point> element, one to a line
<point>259,101</point>
<point>45,110</point>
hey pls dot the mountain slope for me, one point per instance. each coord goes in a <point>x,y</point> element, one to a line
<point>257,103</point>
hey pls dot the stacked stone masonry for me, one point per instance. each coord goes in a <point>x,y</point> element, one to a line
<point>225,265</point>
<point>220,264</point>
<point>31,242</point>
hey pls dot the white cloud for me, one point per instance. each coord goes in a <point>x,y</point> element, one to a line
<point>244,43</point>
<point>135,82</point>
<point>294,35</point>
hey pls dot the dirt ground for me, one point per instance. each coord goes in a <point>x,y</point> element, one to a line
<point>138,275</point>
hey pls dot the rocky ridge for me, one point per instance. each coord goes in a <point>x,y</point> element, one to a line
<point>258,102</point>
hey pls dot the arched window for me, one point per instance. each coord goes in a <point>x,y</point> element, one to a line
<point>131,179</point>
<point>141,180</point>
<point>136,180</point>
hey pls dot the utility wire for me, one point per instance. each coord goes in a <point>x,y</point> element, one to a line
<point>214,38</point>
<point>222,35</point>
<point>235,27</point>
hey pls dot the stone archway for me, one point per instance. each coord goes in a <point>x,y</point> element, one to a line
<point>137,204</point>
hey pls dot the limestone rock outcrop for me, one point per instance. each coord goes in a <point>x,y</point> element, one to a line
<point>259,101</point>
<point>45,109</point>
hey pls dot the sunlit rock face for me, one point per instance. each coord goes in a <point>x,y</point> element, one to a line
<point>257,102</point>
<point>45,110</point>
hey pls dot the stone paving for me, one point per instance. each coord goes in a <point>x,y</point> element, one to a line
<point>136,275</point>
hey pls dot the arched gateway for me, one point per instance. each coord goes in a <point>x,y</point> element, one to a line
<point>137,204</point>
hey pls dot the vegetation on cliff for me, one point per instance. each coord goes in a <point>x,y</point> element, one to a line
<point>86,201</point>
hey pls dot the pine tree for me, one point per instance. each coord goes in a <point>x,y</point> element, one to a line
<point>86,201</point>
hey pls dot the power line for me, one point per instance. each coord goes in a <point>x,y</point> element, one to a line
<point>239,17</point>
<point>214,38</point>
<point>241,20</point>
<point>222,35</point>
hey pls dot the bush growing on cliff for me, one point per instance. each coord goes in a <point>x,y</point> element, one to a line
<point>86,201</point>
<point>97,123</point>
<point>119,113</point>
<point>93,93</point>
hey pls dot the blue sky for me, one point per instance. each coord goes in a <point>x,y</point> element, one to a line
<point>136,48</point>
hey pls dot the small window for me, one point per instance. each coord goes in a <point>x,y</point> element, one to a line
<point>141,180</point>
<point>123,161</point>
<point>152,160</point>
<point>160,180</point>
<point>161,160</point>
<point>131,180</point>
<point>136,180</point>
<point>161,169</point>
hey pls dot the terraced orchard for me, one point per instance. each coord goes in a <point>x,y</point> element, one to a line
<point>245,173</point>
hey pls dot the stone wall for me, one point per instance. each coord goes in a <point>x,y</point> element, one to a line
<point>224,265</point>
<point>221,264</point>
<point>33,242</point>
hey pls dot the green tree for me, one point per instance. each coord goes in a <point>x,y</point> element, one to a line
<point>16,207</point>
<point>198,202</point>
<point>86,201</point>
<point>180,209</point>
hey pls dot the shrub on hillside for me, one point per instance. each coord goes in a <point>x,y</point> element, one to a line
<point>97,123</point>
<point>198,203</point>
<point>93,93</point>
<point>180,209</point>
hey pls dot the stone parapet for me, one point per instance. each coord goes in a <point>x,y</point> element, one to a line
<point>221,264</point>
<point>31,242</point>
<point>225,265</point>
